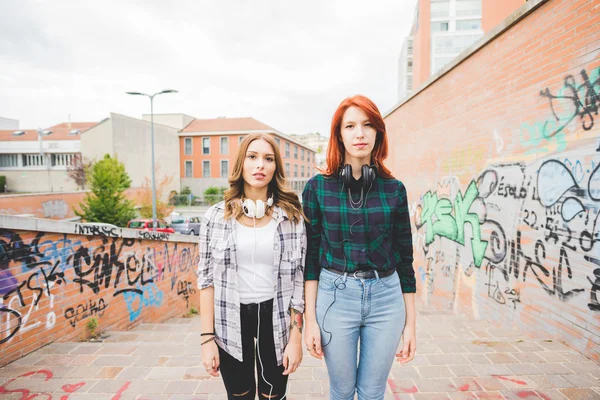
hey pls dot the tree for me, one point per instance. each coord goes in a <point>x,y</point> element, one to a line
<point>78,170</point>
<point>145,198</point>
<point>107,202</point>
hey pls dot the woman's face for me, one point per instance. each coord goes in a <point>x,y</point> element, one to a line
<point>358,135</point>
<point>259,164</point>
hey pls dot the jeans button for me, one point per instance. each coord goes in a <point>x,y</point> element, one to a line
<point>363,250</point>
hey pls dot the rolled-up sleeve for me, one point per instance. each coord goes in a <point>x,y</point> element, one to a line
<point>297,301</point>
<point>205,269</point>
<point>403,238</point>
<point>310,205</point>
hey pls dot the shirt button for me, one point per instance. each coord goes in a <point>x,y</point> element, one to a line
<point>363,250</point>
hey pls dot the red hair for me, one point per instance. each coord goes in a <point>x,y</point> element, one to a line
<point>335,150</point>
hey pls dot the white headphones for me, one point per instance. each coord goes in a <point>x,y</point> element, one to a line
<point>256,210</point>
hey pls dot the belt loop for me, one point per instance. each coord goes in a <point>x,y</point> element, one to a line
<point>376,274</point>
<point>345,277</point>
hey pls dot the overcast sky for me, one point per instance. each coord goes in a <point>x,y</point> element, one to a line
<point>286,63</point>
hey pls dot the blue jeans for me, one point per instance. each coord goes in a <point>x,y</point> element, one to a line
<point>371,310</point>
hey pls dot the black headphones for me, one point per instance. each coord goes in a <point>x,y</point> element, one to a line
<point>368,173</point>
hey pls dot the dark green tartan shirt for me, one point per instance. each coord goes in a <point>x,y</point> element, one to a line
<point>376,236</point>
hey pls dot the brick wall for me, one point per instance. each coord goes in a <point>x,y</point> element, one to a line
<point>501,158</point>
<point>55,276</point>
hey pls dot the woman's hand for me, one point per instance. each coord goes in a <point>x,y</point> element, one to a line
<point>292,356</point>
<point>312,338</point>
<point>409,340</point>
<point>210,358</point>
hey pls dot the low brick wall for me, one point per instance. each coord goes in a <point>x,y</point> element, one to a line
<point>55,276</point>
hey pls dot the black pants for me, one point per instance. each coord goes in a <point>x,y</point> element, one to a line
<point>239,377</point>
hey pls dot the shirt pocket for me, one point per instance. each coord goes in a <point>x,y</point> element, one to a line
<point>287,269</point>
<point>220,252</point>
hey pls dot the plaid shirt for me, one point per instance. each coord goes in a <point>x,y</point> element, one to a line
<point>376,236</point>
<point>218,268</point>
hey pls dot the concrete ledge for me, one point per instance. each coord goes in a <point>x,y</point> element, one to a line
<point>502,27</point>
<point>71,228</point>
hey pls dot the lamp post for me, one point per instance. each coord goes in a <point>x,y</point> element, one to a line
<point>41,133</point>
<point>152,142</point>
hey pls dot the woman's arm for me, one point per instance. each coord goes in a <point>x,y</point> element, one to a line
<point>312,334</point>
<point>409,337</point>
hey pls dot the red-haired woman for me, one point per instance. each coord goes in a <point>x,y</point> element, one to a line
<point>360,281</point>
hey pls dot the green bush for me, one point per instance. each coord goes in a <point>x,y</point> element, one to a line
<point>2,183</point>
<point>213,194</point>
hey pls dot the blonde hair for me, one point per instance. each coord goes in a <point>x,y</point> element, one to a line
<point>282,195</point>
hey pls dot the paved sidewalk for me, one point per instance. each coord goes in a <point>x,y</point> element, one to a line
<point>457,359</point>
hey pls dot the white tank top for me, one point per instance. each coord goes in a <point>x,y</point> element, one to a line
<point>256,279</point>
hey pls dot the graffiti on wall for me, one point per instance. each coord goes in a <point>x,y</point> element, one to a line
<point>38,269</point>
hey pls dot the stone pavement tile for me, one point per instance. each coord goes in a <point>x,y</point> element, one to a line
<point>492,369</point>
<point>134,373</point>
<point>550,394</point>
<point>527,346</point>
<point>108,372</point>
<point>308,387</point>
<point>583,367</point>
<point>183,397</point>
<point>185,361</point>
<point>463,396</point>
<point>310,361</point>
<point>450,347</point>
<point>402,386</point>
<point>524,369</point>
<point>447,359</point>
<point>166,373</point>
<point>520,394</point>
<point>150,361</point>
<point>435,385</point>
<point>83,360</point>
<point>517,382</point>
<point>192,350</point>
<point>490,383</point>
<point>116,349</point>
<point>552,356</point>
<point>505,348</point>
<point>58,348</point>
<point>501,358</point>
<point>302,373</point>
<point>462,370</point>
<point>169,350</point>
<point>82,372</point>
<point>86,348</point>
<point>114,361</point>
<point>582,380</point>
<point>483,334</point>
<point>57,372</point>
<point>574,357</point>
<point>478,359</point>
<point>559,382</point>
<point>30,359</point>
<point>217,396</point>
<point>489,395</point>
<point>150,396</point>
<point>210,386</point>
<point>477,348</point>
<point>112,386</point>
<point>579,394</point>
<point>441,334</point>
<point>526,357</point>
<point>184,387</point>
<point>435,372</point>
<point>74,386</point>
<point>428,349</point>
<point>143,386</point>
<point>542,381</point>
<point>195,373</point>
<point>90,396</point>
<point>554,345</point>
<point>321,372</point>
<point>466,384</point>
<point>419,360</point>
<point>403,372</point>
<point>387,396</point>
<point>553,368</point>
<point>12,371</point>
<point>55,360</point>
<point>431,396</point>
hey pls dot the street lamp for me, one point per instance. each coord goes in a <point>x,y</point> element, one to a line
<point>41,133</point>
<point>152,141</point>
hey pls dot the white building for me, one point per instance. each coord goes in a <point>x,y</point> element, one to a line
<point>405,69</point>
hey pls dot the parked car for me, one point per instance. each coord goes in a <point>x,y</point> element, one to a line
<point>188,225</point>
<point>146,225</point>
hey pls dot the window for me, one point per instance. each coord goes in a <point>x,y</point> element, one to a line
<point>9,160</point>
<point>287,149</point>
<point>277,141</point>
<point>296,152</point>
<point>241,139</point>
<point>452,44</point>
<point>206,169</point>
<point>302,171</point>
<point>439,26</point>
<point>61,160</point>
<point>224,145</point>
<point>295,170</point>
<point>33,160</point>
<point>308,157</point>
<point>206,145</point>
<point>287,169</point>
<point>410,48</point>
<point>188,146</point>
<point>302,155</point>
<point>409,82</point>
<point>439,63</point>
<point>224,169</point>
<point>409,66</point>
<point>468,7</point>
<point>189,171</point>
<point>440,9</point>
<point>468,25</point>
